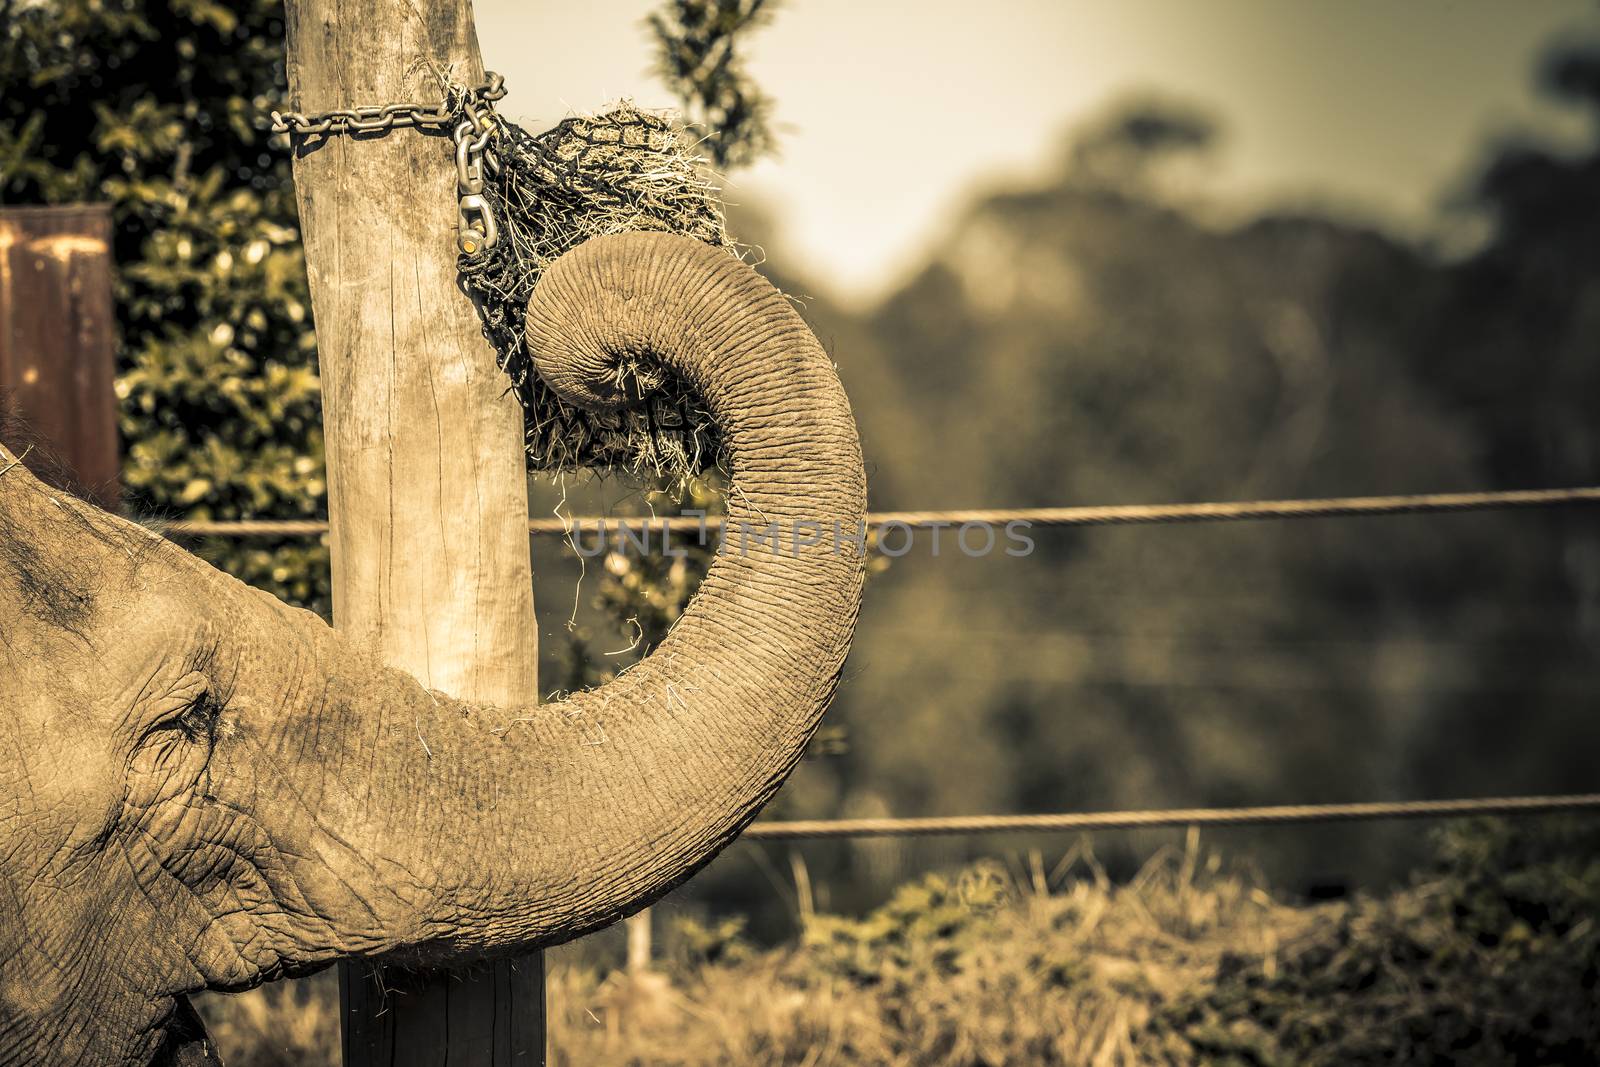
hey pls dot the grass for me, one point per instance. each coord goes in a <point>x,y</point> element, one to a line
<point>1490,956</point>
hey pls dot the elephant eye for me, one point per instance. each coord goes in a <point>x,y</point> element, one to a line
<point>184,719</point>
<point>198,720</point>
<point>188,709</point>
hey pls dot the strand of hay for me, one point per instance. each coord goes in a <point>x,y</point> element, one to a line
<point>621,170</point>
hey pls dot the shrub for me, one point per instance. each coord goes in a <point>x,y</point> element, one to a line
<point>1491,955</point>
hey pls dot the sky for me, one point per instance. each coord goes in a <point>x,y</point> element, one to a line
<point>892,113</point>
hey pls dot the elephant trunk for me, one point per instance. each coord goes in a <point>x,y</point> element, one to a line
<point>480,830</point>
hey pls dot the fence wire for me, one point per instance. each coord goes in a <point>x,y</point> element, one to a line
<point>1113,515</point>
<point>1172,817</point>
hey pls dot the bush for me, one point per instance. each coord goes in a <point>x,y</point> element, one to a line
<point>1490,956</point>
<point>1493,958</point>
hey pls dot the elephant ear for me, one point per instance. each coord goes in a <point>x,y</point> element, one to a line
<point>187,1043</point>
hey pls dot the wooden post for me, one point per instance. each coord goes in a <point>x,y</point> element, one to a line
<point>427,488</point>
<point>58,342</point>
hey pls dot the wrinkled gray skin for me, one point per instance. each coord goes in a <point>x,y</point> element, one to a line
<point>203,788</point>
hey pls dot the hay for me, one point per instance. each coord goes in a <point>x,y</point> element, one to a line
<point>621,170</point>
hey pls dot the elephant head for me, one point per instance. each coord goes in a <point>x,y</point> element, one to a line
<point>202,787</point>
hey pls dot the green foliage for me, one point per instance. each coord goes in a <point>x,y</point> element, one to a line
<point>641,586</point>
<point>698,46</point>
<point>1492,958</point>
<point>1490,955</point>
<point>932,924</point>
<point>157,107</point>
<point>701,944</point>
<point>283,1024</point>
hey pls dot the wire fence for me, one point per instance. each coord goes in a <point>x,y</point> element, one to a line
<point>1172,817</point>
<point>1112,515</point>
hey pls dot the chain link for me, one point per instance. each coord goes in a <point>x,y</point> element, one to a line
<point>383,117</point>
<point>468,112</point>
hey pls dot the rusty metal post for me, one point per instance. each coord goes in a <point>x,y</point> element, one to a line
<point>58,340</point>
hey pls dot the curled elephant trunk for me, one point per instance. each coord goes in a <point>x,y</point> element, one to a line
<point>484,830</point>
<point>676,756</point>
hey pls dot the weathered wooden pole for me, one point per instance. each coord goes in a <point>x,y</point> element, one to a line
<point>427,492</point>
<point>639,948</point>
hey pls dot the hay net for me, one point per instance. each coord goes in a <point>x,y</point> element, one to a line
<point>621,170</point>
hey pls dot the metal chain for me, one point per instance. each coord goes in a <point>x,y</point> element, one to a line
<point>385,117</point>
<point>467,112</point>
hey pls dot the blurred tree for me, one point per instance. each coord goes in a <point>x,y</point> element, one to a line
<point>1136,144</point>
<point>1514,353</point>
<point>698,46</point>
<point>1529,296</point>
<point>1098,343</point>
<point>156,106</point>
<point>1095,343</point>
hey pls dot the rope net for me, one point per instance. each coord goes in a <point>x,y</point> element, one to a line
<point>619,171</point>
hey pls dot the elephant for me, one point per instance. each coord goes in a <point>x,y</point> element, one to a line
<point>202,787</point>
